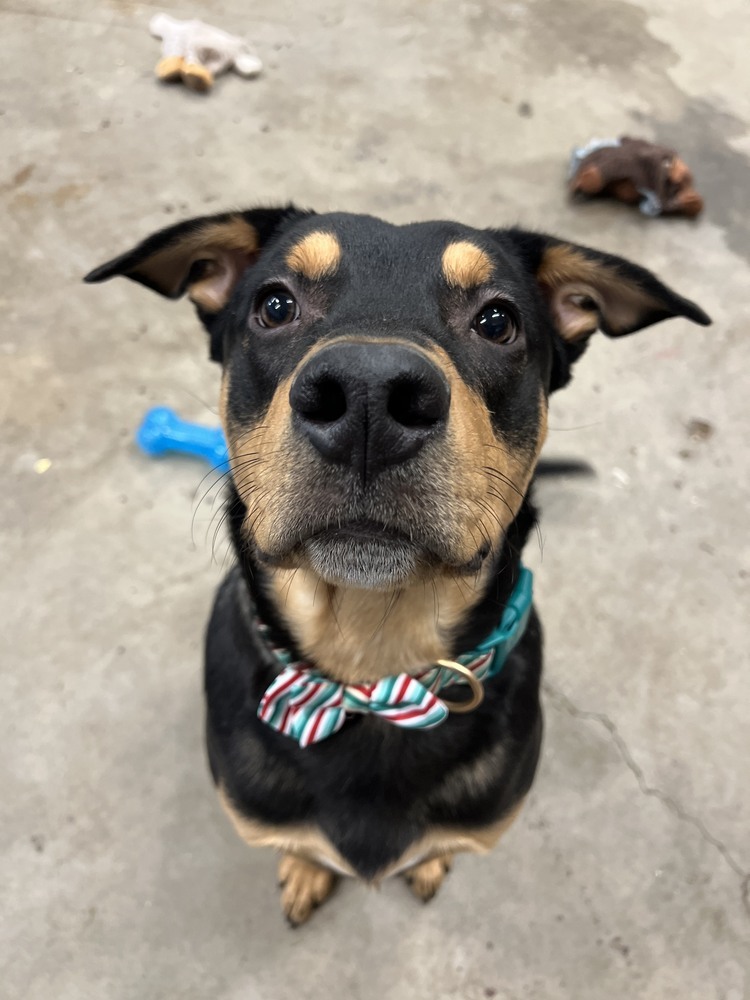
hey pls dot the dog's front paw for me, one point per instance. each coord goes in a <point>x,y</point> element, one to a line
<point>304,887</point>
<point>425,879</point>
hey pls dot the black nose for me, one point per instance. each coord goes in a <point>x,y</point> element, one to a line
<point>368,406</point>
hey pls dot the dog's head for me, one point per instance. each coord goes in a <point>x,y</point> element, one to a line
<point>385,387</point>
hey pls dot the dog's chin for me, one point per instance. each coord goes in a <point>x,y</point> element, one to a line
<point>367,563</point>
<point>370,556</point>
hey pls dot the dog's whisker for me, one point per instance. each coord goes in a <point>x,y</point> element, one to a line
<point>331,592</point>
<point>214,470</point>
<point>220,481</point>
<point>487,508</point>
<point>499,496</point>
<point>288,587</point>
<point>390,604</point>
<point>435,601</point>
<point>497,474</point>
<point>227,510</point>
<point>463,587</point>
<point>229,555</point>
<point>221,522</point>
<point>577,427</point>
<point>539,538</point>
<point>252,525</point>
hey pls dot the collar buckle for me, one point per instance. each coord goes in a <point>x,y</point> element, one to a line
<point>475,685</point>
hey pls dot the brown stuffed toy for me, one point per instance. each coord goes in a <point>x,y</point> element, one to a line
<point>636,172</point>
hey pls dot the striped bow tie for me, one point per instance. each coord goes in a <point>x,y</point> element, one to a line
<point>309,707</point>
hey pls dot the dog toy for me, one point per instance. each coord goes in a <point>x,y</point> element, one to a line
<point>636,172</point>
<point>195,53</point>
<point>163,431</point>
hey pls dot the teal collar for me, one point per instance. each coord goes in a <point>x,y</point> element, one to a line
<point>513,622</point>
<point>308,706</point>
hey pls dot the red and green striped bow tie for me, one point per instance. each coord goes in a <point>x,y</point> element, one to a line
<point>309,707</point>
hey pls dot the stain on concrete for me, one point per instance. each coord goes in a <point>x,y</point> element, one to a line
<point>612,36</point>
<point>69,192</point>
<point>24,200</point>
<point>699,429</point>
<point>59,197</point>
<point>19,178</point>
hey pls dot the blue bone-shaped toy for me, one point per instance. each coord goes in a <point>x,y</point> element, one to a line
<point>162,430</point>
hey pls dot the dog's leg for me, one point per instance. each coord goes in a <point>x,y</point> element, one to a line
<point>425,879</point>
<point>305,886</point>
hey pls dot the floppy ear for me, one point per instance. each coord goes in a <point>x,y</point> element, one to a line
<point>204,257</point>
<point>587,290</point>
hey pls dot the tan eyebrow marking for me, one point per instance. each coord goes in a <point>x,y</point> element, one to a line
<point>316,256</point>
<point>465,265</point>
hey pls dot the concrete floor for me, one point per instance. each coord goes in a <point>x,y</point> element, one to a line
<point>627,876</point>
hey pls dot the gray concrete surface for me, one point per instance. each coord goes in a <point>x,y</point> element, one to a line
<point>627,876</point>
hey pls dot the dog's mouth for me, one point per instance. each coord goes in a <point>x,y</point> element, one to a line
<point>372,556</point>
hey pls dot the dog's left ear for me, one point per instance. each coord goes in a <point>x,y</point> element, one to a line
<point>204,257</point>
<point>587,290</point>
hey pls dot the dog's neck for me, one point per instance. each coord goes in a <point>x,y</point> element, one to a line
<point>358,636</point>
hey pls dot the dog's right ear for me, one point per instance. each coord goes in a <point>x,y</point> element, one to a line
<point>204,257</point>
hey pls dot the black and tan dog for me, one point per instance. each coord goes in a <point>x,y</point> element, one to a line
<point>384,398</point>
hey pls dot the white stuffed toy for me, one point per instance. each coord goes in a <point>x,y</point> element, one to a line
<point>195,52</point>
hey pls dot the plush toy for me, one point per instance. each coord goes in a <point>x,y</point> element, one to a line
<point>636,172</point>
<point>195,52</point>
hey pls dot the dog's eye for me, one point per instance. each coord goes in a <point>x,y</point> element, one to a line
<point>278,309</point>
<point>495,323</point>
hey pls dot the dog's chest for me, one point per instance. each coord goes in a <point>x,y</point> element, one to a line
<point>367,797</point>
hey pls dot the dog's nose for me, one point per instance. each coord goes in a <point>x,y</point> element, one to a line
<point>369,406</point>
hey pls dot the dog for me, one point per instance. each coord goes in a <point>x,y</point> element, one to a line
<point>373,659</point>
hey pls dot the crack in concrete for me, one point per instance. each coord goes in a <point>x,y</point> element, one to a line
<point>563,703</point>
